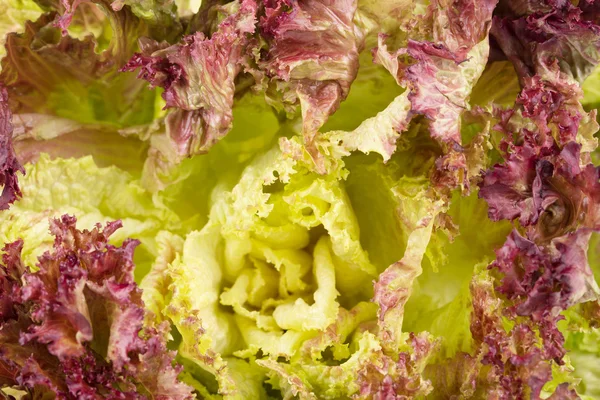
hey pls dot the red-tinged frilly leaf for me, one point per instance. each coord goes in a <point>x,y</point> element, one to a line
<point>553,31</point>
<point>554,107</point>
<point>441,79</point>
<point>452,28</point>
<point>553,50</point>
<point>312,40</point>
<point>547,190</point>
<point>10,279</point>
<point>590,10</point>
<point>435,81</point>
<point>516,361</point>
<point>75,283</point>
<point>313,46</point>
<point>439,67</point>
<point>519,8</point>
<point>9,165</point>
<point>438,83</point>
<point>398,377</point>
<point>510,357</point>
<point>545,281</point>
<point>198,76</point>
<point>75,326</point>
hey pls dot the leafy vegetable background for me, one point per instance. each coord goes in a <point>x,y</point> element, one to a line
<point>312,199</point>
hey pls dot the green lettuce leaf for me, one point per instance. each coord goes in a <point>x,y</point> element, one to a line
<point>582,338</point>
<point>14,13</point>
<point>591,89</point>
<point>78,187</point>
<point>285,246</point>
<point>167,169</point>
<point>441,302</point>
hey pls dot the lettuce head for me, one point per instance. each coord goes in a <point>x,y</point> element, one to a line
<point>299,199</point>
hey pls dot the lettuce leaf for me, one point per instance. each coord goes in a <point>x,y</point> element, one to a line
<point>77,186</point>
<point>14,15</point>
<point>198,79</point>
<point>47,73</point>
<point>258,246</point>
<point>9,165</point>
<point>74,328</point>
